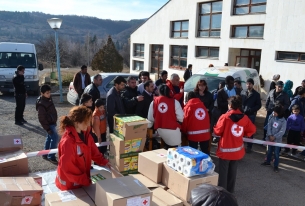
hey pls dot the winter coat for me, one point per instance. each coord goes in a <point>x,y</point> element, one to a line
<point>196,121</point>
<point>94,92</point>
<point>207,100</point>
<point>282,98</point>
<point>18,82</point>
<point>296,123</point>
<point>75,158</point>
<point>276,127</point>
<point>251,103</point>
<point>130,101</point>
<point>187,74</point>
<point>300,101</point>
<point>47,114</point>
<point>232,127</point>
<point>143,106</point>
<point>222,99</point>
<point>288,88</point>
<point>77,81</point>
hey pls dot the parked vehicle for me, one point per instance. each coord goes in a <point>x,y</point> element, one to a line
<point>214,75</point>
<point>107,84</point>
<point>14,54</point>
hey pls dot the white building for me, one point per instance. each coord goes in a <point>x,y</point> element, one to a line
<point>267,35</point>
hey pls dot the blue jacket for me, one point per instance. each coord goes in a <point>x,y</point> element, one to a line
<point>296,123</point>
<point>297,100</point>
<point>287,88</point>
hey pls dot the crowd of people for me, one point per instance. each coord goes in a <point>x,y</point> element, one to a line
<point>229,113</point>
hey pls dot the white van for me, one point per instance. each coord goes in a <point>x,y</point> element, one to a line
<point>214,75</point>
<point>12,55</point>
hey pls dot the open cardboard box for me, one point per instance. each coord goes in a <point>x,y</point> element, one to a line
<point>13,163</point>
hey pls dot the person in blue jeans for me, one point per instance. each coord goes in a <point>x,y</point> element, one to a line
<point>250,105</point>
<point>275,130</point>
<point>47,116</point>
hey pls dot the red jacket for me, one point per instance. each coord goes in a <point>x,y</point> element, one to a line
<point>232,127</point>
<point>165,113</point>
<point>196,121</point>
<point>75,157</point>
<point>175,95</point>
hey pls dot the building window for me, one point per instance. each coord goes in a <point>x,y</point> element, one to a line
<point>248,31</point>
<point>249,6</point>
<point>178,57</point>
<point>156,58</point>
<point>207,52</point>
<point>210,19</point>
<point>138,65</point>
<point>138,50</point>
<point>290,56</point>
<point>180,29</point>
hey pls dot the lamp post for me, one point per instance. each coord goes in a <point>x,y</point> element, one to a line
<point>55,24</point>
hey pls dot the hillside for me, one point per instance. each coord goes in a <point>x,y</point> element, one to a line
<point>32,27</point>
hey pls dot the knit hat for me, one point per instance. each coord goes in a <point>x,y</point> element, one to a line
<point>250,80</point>
<point>276,77</point>
<point>279,83</point>
<point>212,195</point>
<point>84,98</point>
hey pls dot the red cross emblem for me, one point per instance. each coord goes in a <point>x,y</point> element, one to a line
<point>27,200</point>
<point>162,107</point>
<point>145,201</point>
<point>17,141</point>
<point>237,130</point>
<point>200,114</point>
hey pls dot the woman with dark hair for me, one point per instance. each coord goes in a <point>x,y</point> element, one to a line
<point>202,92</point>
<point>165,113</point>
<point>231,128</point>
<point>76,150</point>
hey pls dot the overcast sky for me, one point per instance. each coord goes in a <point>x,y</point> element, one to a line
<point>103,9</point>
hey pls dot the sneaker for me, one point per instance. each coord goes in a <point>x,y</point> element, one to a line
<point>53,161</point>
<point>24,121</point>
<point>45,157</point>
<point>265,163</point>
<point>248,150</point>
<point>18,123</point>
<point>276,169</point>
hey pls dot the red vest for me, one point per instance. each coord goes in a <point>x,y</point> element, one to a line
<point>231,144</point>
<point>196,121</point>
<point>165,113</point>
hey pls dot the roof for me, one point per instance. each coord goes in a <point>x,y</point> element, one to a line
<point>16,47</point>
<point>150,17</point>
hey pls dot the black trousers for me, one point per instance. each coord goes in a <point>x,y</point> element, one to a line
<point>102,149</point>
<point>227,174</point>
<point>20,105</point>
<point>293,138</point>
<point>204,146</point>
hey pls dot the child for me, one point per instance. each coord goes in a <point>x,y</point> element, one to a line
<point>99,124</point>
<point>295,127</point>
<point>86,100</point>
<point>47,116</point>
<point>276,128</point>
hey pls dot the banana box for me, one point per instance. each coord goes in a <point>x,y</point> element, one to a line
<point>127,165</point>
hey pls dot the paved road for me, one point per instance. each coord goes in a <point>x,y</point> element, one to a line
<point>256,185</point>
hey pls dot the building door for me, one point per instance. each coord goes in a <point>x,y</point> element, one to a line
<point>157,59</point>
<point>250,58</point>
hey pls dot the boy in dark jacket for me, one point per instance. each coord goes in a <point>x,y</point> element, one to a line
<point>47,116</point>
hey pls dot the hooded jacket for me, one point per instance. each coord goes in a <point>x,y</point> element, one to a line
<point>75,158</point>
<point>276,127</point>
<point>47,114</point>
<point>282,98</point>
<point>232,127</point>
<point>288,88</point>
<point>300,101</point>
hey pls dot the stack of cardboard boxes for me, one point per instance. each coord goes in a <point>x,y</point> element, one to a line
<point>127,142</point>
<point>17,187</point>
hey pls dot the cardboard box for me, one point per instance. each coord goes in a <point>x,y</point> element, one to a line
<point>150,164</point>
<point>128,165</point>
<point>101,174</point>
<point>13,164</point>
<point>11,143</point>
<point>126,148</point>
<point>129,127</point>
<point>145,181</point>
<point>185,203</point>
<point>122,191</point>
<point>15,191</point>
<point>37,178</point>
<point>181,185</point>
<point>164,198</point>
<point>70,197</point>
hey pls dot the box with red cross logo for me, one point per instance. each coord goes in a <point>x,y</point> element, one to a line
<point>20,191</point>
<point>10,143</point>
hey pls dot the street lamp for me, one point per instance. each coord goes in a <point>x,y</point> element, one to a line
<point>55,24</point>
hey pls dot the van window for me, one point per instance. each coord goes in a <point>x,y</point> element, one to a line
<point>13,59</point>
<point>212,82</point>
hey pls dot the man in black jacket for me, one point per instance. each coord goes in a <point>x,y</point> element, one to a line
<point>143,107</point>
<point>188,72</point>
<point>226,92</point>
<point>93,90</point>
<point>114,102</point>
<point>251,104</point>
<point>130,96</point>
<point>20,95</point>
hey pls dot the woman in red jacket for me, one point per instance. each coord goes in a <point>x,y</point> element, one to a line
<point>196,123</point>
<point>76,150</point>
<point>231,128</point>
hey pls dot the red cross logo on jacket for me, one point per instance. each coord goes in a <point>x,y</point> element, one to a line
<point>236,130</point>
<point>200,114</point>
<point>162,107</point>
